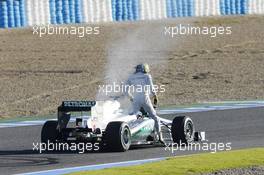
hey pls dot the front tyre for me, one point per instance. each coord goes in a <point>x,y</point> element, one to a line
<point>182,130</point>
<point>118,136</point>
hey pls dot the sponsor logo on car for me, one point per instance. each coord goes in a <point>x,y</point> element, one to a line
<point>78,103</point>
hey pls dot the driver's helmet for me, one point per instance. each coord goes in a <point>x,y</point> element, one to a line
<point>143,68</point>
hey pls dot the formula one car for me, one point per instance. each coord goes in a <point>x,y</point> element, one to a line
<point>112,127</point>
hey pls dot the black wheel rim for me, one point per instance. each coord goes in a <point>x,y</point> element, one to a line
<point>125,137</point>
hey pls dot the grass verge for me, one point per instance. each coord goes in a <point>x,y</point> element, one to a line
<point>194,164</point>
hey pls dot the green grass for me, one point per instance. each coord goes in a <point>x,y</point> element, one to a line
<point>199,163</point>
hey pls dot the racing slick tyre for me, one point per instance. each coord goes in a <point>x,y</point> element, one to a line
<point>49,132</point>
<point>117,136</point>
<point>182,130</point>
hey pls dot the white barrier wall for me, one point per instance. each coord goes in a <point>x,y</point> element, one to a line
<point>38,12</point>
<point>256,7</point>
<point>97,11</point>
<point>17,13</point>
<point>153,9</point>
<point>207,7</point>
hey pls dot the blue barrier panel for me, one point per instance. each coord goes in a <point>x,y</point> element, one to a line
<point>228,7</point>
<point>180,8</point>
<point>78,11</point>
<point>135,6</point>
<point>66,11</point>
<point>191,8</point>
<point>130,10</point>
<point>3,14</point>
<point>114,10</point>
<point>222,7</point>
<point>52,6</point>
<point>72,10</point>
<point>184,8</point>
<point>232,7</point>
<point>119,10</point>
<point>59,15</point>
<point>169,9</point>
<point>244,6</point>
<point>17,13</point>
<point>22,13</point>
<point>238,6</point>
<point>125,10</point>
<point>10,11</point>
<point>174,7</point>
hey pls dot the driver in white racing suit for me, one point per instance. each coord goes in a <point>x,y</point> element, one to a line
<point>142,98</point>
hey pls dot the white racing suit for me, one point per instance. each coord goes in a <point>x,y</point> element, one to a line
<point>141,96</point>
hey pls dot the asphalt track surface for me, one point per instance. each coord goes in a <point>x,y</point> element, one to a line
<point>242,127</point>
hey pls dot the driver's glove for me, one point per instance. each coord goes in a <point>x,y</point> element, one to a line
<point>155,101</point>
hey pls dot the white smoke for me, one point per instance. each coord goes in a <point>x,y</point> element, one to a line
<point>141,45</point>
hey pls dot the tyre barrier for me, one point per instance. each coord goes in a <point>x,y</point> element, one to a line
<point>20,13</point>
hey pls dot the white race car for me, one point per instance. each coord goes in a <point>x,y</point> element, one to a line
<point>113,128</point>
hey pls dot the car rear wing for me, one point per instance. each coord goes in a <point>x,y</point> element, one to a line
<point>76,106</point>
<point>72,106</point>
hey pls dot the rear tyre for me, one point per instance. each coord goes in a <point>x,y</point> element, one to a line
<point>182,130</point>
<point>117,136</point>
<point>49,132</point>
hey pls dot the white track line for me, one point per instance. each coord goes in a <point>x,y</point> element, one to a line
<point>211,107</point>
<point>94,167</point>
